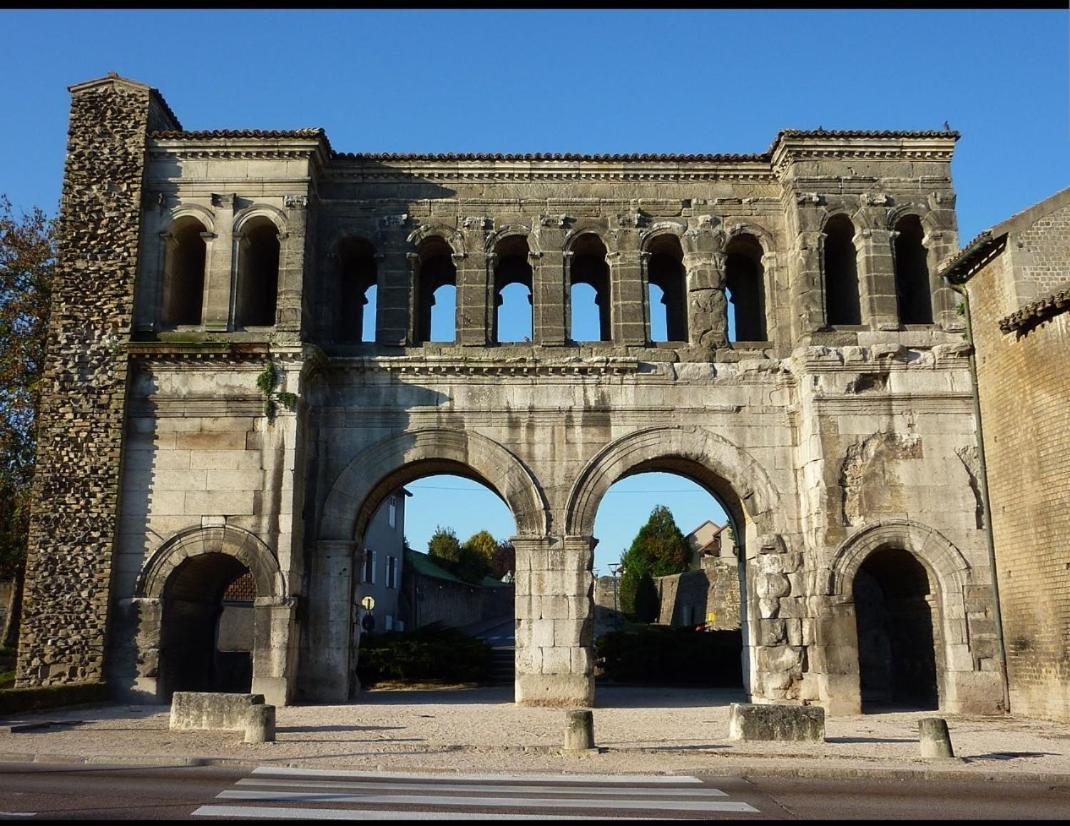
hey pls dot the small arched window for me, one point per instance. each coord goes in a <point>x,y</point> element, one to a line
<point>258,274</point>
<point>358,276</point>
<point>912,273</point>
<point>512,291</point>
<point>842,305</point>
<point>436,292</point>
<point>589,290</point>
<point>183,276</point>
<point>745,289</point>
<point>667,289</point>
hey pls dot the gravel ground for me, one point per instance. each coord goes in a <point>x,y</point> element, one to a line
<point>636,729</point>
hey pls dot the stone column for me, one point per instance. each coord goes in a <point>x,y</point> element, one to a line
<point>940,244</point>
<point>549,290</point>
<point>292,245</point>
<point>876,279</point>
<point>328,662</point>
<point>273,661</point>
<point>807,298</point>
<point>555,621</point>
<point>707,308</point>
<point>218,266</point>
<point>628,289</point>
<point>394,299</point>
<point>474,314</point>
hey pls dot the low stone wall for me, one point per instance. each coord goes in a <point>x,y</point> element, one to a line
<point>209,710</point>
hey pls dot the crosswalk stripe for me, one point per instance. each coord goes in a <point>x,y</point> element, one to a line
<point>489,802</point>
<point>477,789</point>
<point>294,813</point>
<point>626,779</point>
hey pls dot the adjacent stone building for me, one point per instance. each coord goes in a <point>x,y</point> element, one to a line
<point>1016,277</point>
<point>211,409</point>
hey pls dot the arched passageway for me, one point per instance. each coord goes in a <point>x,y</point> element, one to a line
<point>207,628</point>
<point>895,607</point>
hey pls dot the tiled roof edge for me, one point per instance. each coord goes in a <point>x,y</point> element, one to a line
<point>1032,314</point>
<point>954,268</point>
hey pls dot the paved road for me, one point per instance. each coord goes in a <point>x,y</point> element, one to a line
<point>57,791</point>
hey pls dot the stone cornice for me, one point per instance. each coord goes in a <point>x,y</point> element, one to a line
<point>430,365</point>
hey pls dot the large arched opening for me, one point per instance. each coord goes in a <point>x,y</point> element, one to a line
<point>896,614</point>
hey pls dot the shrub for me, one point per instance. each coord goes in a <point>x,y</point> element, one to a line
<point>434,653</point>
<point>53,696</point>
<point>659,655</point>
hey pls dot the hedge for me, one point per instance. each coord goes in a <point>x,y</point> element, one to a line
<point>432,653</point>
<point>53,696</point>
<point>660,655</point>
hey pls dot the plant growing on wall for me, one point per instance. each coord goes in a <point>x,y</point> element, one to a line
<point>266,382</point>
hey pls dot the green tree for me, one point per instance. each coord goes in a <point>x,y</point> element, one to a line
<point>504,560</point>
<point>659,549</point>
<point>27,267</point>
<point>444,545</point>
<point>647,602</point>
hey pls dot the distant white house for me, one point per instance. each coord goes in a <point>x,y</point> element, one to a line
<point>384,556</point>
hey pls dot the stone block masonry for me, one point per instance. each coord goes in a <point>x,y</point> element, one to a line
<point>80,430</point>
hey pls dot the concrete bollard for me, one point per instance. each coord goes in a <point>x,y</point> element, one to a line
<point>935,739</point>
<point>260,724</point>
<point>579,730</point>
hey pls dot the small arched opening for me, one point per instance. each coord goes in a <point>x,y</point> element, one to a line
<point>183,278</point>
<point>589,296</point>
<point>912,272</point>
<point>745,289</point>
<point>357,291</point>
<point>895,613</point>
<point>512,291</point>
<point>207,626</point>
<point>842,305</point>
<point>258,274</point>
<point>436,292</point>
<point>667,289</point>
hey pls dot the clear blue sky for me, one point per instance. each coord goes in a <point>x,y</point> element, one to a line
<point>554,81</point>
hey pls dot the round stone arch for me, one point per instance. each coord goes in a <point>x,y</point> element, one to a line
<point>647,237</point>
<point>500,235</point>
<point>762,235</point>
<point>949,573</point>
<point>201,213</point>
<point>240,544</point>
<point>586,228</point>
<point>453,237</point>
<point>243,217</point>
<point>699,454</point>
<point>377,471</point>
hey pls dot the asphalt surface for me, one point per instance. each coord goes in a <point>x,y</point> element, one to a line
<point>56,791</point>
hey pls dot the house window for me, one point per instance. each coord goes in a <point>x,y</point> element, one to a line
<point>369,567</point>
<point>389,622</point>
<point>392,512</point>
<point>392,572</point>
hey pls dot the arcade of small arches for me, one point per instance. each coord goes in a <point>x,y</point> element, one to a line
<point>898,584</point>
<point>590,298</point>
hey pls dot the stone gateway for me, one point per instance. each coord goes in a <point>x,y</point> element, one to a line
<point>211,410</point>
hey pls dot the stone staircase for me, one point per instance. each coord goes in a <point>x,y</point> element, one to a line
<point>503,666</point>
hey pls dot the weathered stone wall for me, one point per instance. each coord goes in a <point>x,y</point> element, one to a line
<point>709,596</point>
<point>824,443</point>
<point>80,430</point>
<point>1024,383</point>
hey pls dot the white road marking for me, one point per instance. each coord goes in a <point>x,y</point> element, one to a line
<point>487,802</point>
<point>630,779</point>
<point>292,813</point>
<point>476,789</point>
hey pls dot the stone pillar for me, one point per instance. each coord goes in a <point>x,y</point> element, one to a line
<point>834,658</point>
<point>273,660</point>
<point>292,249</point>
<point>876,279</point>
<point>75,496</point>
<point>807,295</point>
<point>394,300</point>
<point>218,266</point>
<point>474,311</point>
<point>707,308</point>
<point>555,621</point>
<point>940,244</point>
<point>327,659</point>
<point>549,290</point>
<point>627,287</point>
